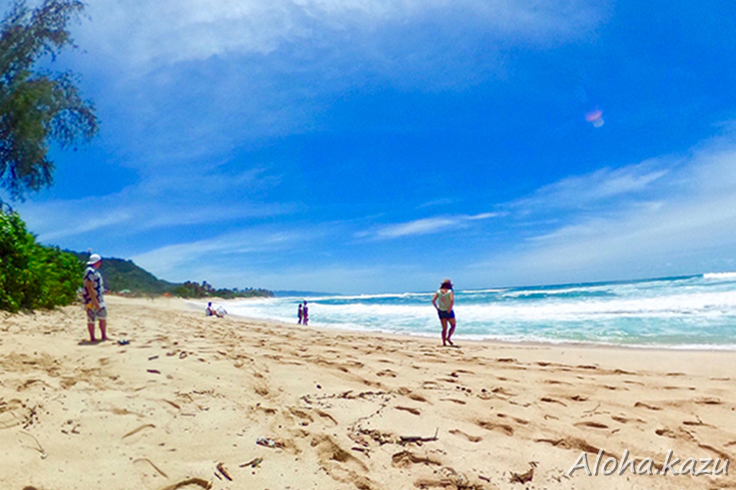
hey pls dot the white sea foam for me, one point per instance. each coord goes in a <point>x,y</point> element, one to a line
<point>720,276</point>
<point>688,312</point>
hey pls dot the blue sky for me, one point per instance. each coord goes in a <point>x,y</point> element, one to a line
<point>361,147</point>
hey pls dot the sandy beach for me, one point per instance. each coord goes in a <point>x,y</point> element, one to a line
<point>200,402</point>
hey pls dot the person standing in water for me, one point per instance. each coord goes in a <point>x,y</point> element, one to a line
<point>444,302</point>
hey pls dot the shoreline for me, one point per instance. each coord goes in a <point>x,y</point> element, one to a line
<point>731,348</point>
<point>586,351</point>
<point>192,393</point>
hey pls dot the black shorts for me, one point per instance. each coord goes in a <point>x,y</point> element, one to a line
<point>446,315</point>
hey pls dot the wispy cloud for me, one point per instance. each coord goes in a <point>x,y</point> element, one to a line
<point>173,31</point>
<point>682,220</point>
<point>150,206</point>
<point>597,188</point>
<point>424,226</point>
<point>222,251</point>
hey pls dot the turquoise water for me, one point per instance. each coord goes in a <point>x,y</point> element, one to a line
<point>684,312</point>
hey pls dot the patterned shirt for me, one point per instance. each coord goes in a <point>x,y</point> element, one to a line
<point>93,275</point>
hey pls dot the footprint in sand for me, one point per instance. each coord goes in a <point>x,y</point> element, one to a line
<point>457,432</point>
<point>412,411</point>
<point>492,426</point>
<point>417,397</point>
<point>591,424</point>
<point>454,400</point>
<point>387,372</point>
<point>647,406</point>
<point>551,400</point>
<point>515,419</point>
<point>12,413</point>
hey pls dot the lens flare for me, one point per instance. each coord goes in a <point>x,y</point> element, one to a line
<point>595,117</point>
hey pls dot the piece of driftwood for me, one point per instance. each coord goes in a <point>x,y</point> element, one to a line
<point>153,465</point>
<point>221,468</point>
<point>252,463</point>
<point>189,482</point>
<point>407,439</point>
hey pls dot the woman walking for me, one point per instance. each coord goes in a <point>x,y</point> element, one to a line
<point>444,301</point>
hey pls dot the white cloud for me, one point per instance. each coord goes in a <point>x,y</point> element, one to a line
<point>597,188</point>
<point>172,31</point>
<point>425,226</point>
<point>682,221</point>
<point>160,202</point>
<point>225,250</point>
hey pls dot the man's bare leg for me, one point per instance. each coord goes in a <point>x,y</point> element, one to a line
<point>91,328</point>
<point>103,329</point>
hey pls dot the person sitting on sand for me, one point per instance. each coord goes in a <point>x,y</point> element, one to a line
<point>210,311</point>
<point>445,296</point>
<point>93,295</point>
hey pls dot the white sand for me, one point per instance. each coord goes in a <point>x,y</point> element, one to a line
<point>191,392</point>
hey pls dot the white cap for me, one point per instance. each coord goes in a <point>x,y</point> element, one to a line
<point>93,259</point>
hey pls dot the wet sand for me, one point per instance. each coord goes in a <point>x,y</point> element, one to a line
<point>198,402</point>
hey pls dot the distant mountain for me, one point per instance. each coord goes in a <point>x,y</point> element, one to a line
<point>124,276</point>
<point>121,275</point>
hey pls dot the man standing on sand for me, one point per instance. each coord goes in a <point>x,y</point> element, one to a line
<point>305,314</point>
<point>94,300</point>
<point>301,314</point>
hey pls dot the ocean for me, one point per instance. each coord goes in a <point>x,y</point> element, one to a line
<point>694,312</point>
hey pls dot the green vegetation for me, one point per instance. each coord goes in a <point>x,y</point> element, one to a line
<point>194,290</point>
<point>124,276</point>
<point>32,275</point>
<point>35,276</point>
<point>37,107</point>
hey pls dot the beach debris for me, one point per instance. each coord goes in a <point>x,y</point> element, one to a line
<point>207,485</point>
<point>152,465</point>
<point>31,417</point>
<point>408,439</point>
<point>40,448</point>
<point>221,468</point>
<point>123,342</point>
<point>252,463</point>
<point>151,358</point>
<point>153,371</point>
<point>405,458</point>
<point>182,355</point>
<point>264,441</point>
<point>175,405</point>
<point>524,477</point>
<point>135,431</point>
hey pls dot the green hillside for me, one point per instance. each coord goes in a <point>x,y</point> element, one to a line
<point>121,275</point>
<point>125,276</point>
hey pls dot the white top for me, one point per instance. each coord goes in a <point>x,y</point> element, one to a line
<point>443,299</point>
